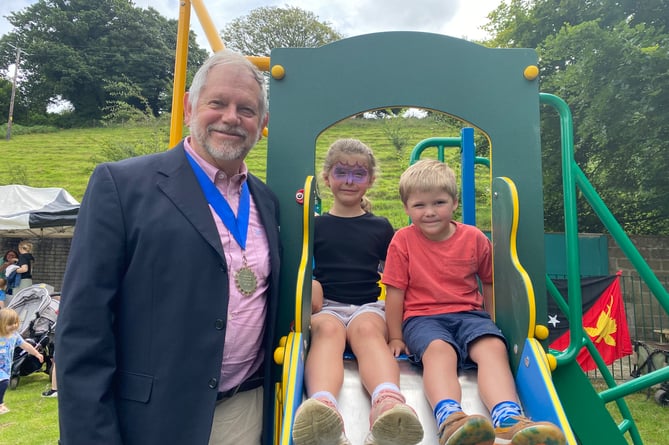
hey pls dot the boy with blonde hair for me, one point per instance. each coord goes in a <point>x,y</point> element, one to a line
<point>436,313</point>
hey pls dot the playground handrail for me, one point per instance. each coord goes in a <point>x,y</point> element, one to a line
<point>573,178</point>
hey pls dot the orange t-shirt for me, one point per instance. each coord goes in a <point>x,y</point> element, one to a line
<point>439,276</point>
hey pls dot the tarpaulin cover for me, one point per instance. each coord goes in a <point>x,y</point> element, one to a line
<point>23,207</point>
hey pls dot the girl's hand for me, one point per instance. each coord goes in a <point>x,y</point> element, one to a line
<point>40,357</point>
<point>397,347</point>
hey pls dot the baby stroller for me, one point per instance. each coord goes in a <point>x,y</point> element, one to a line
<point>38,313</point>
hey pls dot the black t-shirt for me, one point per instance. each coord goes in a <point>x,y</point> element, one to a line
<point>26,258</point>
<point>347,252</point>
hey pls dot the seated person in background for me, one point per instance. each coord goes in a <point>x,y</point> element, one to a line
<point>13,277</point>
<point>10,258</point>
<point>436,313</point>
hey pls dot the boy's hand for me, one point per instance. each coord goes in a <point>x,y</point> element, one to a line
<point>40,357</point>
<point>397,347</point>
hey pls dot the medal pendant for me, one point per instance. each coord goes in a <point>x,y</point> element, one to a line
<point>246,281</point>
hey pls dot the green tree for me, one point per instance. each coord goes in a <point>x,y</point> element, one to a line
<point>609,61</point>
<point>20,111</point>
<point>74,48</point>
<point>270,27</point>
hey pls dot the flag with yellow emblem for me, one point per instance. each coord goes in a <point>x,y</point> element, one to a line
<point>604,320</point>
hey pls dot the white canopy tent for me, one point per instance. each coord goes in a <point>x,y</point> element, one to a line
<point>24,208</point>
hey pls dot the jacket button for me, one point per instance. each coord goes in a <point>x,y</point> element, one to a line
<point>219,324</point>
<point>213,383</point>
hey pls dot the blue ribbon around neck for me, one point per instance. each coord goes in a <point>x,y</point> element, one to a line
<point>238,226</point>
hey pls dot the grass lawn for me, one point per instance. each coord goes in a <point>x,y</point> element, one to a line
<point>33,419</point>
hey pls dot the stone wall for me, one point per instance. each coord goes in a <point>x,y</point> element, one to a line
<point>50,257</point>
<point>653,249</point>
<point>647,320</point>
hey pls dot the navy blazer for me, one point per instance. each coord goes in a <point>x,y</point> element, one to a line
<point>143,313</point>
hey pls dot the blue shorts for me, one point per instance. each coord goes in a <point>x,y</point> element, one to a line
<point>458,329</point>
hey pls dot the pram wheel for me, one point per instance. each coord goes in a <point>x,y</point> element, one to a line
<point>14,382</point>
<point>662,397</point>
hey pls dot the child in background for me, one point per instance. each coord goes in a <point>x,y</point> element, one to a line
<point>9,339</point>
<point>349,245</point>
<point>435,312</point>
<point>26,260</point>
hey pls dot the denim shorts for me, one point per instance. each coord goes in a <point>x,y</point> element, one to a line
<point>458,329</point>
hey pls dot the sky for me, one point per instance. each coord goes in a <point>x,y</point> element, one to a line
<point>456,18</point>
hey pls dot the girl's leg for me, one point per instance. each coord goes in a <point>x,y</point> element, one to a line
<point>317,420</point>
<point>366,334</point>
<point>391,420</point>
<point>324,368</point>
<point>4,384</point>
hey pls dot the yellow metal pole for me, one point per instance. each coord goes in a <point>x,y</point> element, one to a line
<point>262,63</point>
<point>180,65</point>
<point>208,26</point>
<point>215,39</point>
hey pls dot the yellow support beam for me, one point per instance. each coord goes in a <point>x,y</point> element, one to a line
<point>207,25</point>
<point>180,65</point>
<point>181,60</point>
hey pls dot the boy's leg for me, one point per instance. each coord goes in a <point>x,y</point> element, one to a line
<point>433,340</point>
<point>495,381</point>
<point>443,391</point>
<point>498,392</point>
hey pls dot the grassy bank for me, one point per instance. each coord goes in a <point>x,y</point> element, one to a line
<point>67,158</point>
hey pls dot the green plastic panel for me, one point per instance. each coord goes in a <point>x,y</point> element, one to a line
<point>483,86</point>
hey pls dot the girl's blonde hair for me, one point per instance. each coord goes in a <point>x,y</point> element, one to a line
<point>428,175</point>
<point>27,245</point>
<point>8,317</point>
<point>348,147</point>
<point>366,204</point>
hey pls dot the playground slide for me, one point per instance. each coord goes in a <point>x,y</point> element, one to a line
<point>355,405</point>
<point>533,376</point>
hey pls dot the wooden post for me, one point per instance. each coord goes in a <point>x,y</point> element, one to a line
<point>11,101</point>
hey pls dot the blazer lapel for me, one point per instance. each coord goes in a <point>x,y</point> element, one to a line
<point>178,182</point>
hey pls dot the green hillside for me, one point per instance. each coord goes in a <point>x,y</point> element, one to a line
<point>66,158</point>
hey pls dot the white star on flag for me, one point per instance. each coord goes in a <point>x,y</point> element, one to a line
<point>553,319</point>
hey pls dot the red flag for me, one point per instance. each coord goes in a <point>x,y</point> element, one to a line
<point>606,325</point>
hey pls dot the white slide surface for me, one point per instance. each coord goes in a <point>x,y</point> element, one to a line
<point>354,401</point>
